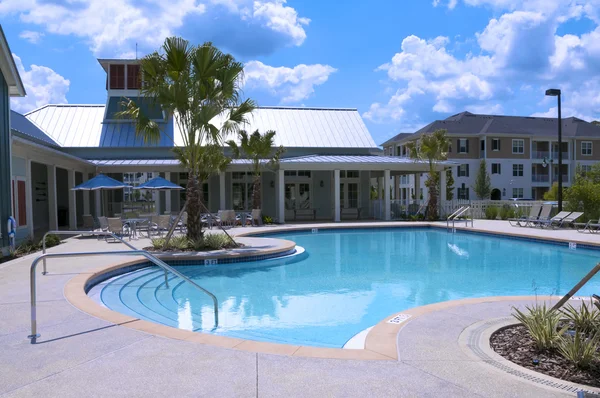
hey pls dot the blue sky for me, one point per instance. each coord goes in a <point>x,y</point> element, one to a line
<point>403,64</point>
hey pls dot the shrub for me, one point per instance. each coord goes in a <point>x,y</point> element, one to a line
<point>175,243</point>
<point>491,212</point>
<point>584,319</point>
<point>25,248</point>
<point>542,325</point>
<point>578,348</point>
<point>52,240</point>
<point>217,241</point>
<point>267,220</point>
<point>506,212</point>
<point>158,243</point>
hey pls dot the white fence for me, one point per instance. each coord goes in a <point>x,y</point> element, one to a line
<point>400,211</point>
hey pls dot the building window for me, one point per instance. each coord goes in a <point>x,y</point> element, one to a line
<point>518,146</point>
<point>496,168</point>
<point>463,170</point>
<point>517,170</point>
<point>495,144</point>
<point>463,145</point>
<point>304,173</point>
<point>117,77</point>
<point>586,148</point>
<point>462,192</point>
<point>584,169</point>
<point>133,77</point>
<point>518,193</point>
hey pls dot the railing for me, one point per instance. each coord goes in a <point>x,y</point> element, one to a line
<point>540,178</point>
<point>565,155</point>
<point>578,286</point>
<point>540,154</point>
<point>460,213</point>
<point>166,267</point>
<point>565,178</point>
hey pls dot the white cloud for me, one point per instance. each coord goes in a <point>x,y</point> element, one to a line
<point>31,36</point>
<point>290,84</point>
<point>43,86</point>
<point>113,27</point>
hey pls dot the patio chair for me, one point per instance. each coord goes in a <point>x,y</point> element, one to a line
<point>570,219</point>
<point>525,220</point>
<point>88,222</point>
<point>103,223</point>
<point>183,222</point>
<point>551,222</point>
<point>162,224</point>
<point>544,216</point>
<point>591,226</point>
<point>116,226</point>
<point>210,220</point>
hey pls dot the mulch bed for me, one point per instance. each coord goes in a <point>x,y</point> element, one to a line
<point>515,344</point>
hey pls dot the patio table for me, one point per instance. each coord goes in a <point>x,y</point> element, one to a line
<point>133,224</point>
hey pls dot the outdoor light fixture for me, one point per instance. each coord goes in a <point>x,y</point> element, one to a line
<point>321,184</point>
<point>272,184</point>
<point>554,92</point>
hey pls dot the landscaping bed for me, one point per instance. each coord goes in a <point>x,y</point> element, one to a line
<point>515,344</point>
<point>209,241</point>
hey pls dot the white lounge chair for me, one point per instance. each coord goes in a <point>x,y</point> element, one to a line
<point>591,226</point>
<point>525,220</point>
<point>554,221</point>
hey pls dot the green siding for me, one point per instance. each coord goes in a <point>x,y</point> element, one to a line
<point>5,161</point>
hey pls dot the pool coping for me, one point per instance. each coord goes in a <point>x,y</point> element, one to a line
<point>380,342</point>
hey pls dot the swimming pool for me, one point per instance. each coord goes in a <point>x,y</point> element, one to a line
<point>347,281</point>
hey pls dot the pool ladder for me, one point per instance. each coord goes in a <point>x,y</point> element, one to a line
<point>463,211</point>
<point>134,252</point>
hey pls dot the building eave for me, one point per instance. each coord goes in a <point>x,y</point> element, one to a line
<point>9,69</point>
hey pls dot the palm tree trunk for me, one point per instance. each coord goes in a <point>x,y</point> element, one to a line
<point>432,204</point>
<point>194,198</point>
<point>256,192</point>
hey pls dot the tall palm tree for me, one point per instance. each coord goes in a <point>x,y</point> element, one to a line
<point>432,148</point>
<point>259,149</point>
<point>199,87</point>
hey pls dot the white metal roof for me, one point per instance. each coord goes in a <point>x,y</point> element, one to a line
<point>82,126</point>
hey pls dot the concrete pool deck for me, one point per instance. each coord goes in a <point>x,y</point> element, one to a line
<point>80,354</point>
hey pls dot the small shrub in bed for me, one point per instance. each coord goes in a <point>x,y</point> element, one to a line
<point>51,241</point>
<point>506,212</point>
<point>542,325</point>
<point>585,319</point>
<point>579,348</point>
<point>491,212</point>
<point>217,241</point>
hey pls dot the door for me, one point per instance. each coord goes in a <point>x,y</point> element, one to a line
<point>297,196</point>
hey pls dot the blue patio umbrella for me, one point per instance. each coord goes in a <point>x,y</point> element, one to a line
<point>158,183</point>
<point>100,182</point>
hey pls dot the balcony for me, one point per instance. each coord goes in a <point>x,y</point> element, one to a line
<point>540,154</point>
<point>565,155</point>
<point>540,178</point>
<point>565,178</point>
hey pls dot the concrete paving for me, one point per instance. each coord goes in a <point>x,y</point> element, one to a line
<point>80,355</point>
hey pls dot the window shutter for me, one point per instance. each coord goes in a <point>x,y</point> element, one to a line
<point>467,144</point>
<point>22,203</point>
<point>467,170</point>
<point>458,146</point>
<point>499,141</point>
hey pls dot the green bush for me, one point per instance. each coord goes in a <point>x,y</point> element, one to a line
<point>52,240</point>
<point>584,319</point>
<point>180,242</point>
<point>217,241</point>
<point>542,325</point>
<point>267,220</point>
<point>25,248</point>
<point>491,212</point>
<point>579,349</point>
<point>506,212</point>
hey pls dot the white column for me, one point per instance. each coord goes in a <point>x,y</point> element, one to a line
<point>86,195</point>
<point>29,198</point>
<point>98,202</point>
<point>222,202</point>
<point>52,211</point>
<point>168,194</point>
<point>386,195</point>
<point>397,187</point>
<point>336,196</point>
<point>72,200</point>
<point>281,196</point>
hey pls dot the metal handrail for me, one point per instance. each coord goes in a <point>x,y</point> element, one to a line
<point>453,215</point>
<point>97,233</point>
<point>461,211</point>
<point>578,286</point>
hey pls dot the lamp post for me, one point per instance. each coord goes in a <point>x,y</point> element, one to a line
<point>554,92</point>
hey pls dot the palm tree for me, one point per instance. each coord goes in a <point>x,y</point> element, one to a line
<point>199,87</point>
<point>432,148</point>
<point>258,148</point>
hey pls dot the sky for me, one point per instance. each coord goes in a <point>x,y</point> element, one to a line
<point>401,63</point>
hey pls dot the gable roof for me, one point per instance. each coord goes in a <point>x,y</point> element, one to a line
<point>84,126</point>
<point>20,125</point>
<point>469,124</point>
<point>9,69</point>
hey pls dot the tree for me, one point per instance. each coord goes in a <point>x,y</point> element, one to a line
<point>483,183</point>
<point>596,122</point>
<point>257,148</point>
<point>431,148</point>
<point>199,88</point>
<point>449,185</point>
<point>552,193</point>
<point>584,193</point>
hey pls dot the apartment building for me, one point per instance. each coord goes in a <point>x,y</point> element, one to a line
<point>521,153</point>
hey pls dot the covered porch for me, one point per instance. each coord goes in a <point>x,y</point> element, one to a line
<point>304,188</point>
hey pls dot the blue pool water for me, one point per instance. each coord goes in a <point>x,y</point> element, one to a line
<point>348,281</point>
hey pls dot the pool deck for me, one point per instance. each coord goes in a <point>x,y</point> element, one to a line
<point>80,354</point>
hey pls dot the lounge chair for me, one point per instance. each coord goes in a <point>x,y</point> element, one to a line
<point>88,222</point>
<point>103,222</point>
<point>566,220</point>
<point>160,224</point>
<point>551,222</point>
<point>525,220</point>
<point>596,300</point>
<point>591,226</point>
<point>256,217</point>
<point>543,217</point>
<point>116,226</point>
